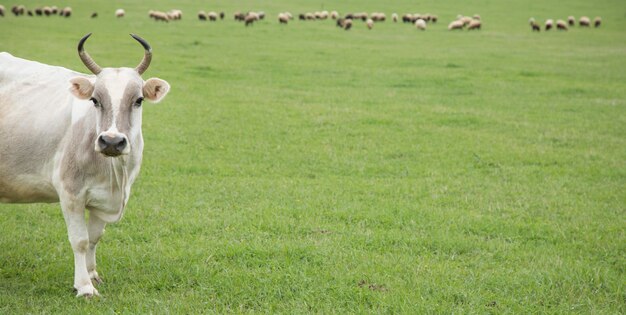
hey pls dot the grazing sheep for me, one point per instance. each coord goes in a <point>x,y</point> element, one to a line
<point>394,17</point>
<point>222,15</point>
<point>433,18</point>
<point>361,15</point>
<point>549,24</point>
<point>29,12</point>
<point>38,11</point>
<point>474,25</point>
<point>466,20</point>
<point>162,16</point>
<point>420,24</point>
<point>571,20</point>
<point>309,16</point>
<point>561,25</point>
<point>202,16</point>
<point>476,17</point>
<point>120,13</point>
<point>94,15</point>
<point>456,25</point>
<point>66,12</point>
<point>2,10</point>
<point>407,18</point>
<point>347,24</point>
<point>584,21</point>
<point>283,18</point>
<point>55,9</point>
<point>369,23</point>
<point>535,26</point>
<point>239,16</point>
<point>334,15</point>
<point>321,15</point>
<point>18,10</point>
<point>175,14</point>
<point>251,18</point>
<point>378,17</point>
<point>47,11</point>
<point>212,16</point>
<point>597,21</point>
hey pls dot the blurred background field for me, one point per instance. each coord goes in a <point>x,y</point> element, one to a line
<point>302,168</point>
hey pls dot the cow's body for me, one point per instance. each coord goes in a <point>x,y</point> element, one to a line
<point>75,139</point>
<point>46,142</point>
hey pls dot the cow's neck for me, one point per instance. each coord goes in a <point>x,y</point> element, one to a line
<point>122,174</point>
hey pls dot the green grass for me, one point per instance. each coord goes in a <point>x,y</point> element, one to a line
<point>301,168</point>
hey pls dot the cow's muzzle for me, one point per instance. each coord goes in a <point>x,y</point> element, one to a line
<point>112,145</point>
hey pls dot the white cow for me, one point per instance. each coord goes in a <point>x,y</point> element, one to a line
<point>76,139</point>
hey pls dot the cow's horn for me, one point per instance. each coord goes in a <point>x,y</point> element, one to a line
<point>147,56</point>
<point>86,59</point>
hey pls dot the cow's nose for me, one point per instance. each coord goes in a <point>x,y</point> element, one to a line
<point>112,145</point>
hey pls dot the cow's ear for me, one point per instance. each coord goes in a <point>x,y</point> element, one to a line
<point>155,89</point>
<point>81,87</point>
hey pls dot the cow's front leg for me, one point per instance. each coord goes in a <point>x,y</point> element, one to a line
<point>96,229</point>
<point>74,214</point>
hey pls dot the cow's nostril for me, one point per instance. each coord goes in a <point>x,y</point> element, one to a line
<point>102,143</point>
<point>121,145</point>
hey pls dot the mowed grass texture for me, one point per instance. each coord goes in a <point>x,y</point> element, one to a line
<point>306,169</point>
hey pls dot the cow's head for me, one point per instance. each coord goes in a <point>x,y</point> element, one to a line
<point>117,95</point>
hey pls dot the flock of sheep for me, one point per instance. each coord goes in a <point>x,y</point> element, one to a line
<point>561,25</point>
<point>19,10</point>
<point>345,22</point>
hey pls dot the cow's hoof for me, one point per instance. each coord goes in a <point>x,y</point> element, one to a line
<point>97,280</point>
<point>87,291</point>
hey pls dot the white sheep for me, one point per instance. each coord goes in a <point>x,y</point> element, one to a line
<point>120,13</point>
<point>159,16</point>
<point>369,23</point>
<point>346,24</point>
<point>597,21</point>
<point>378,17</point>
<point>571,20</point>
<point>202,15</point>
<point>474,25</point>
<point>334,15</point>
<point>283,18</point>
<point>420,24</point>
<point>549,24</point>
<point>251,18</point>
<point>212,16</point>
<point>175,14</point>
<point>561,25</point>
<point>66,12</point>
<point>584,21</point>
<point>394,17</point>
<point>456,25</point>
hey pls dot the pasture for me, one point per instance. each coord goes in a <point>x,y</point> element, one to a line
<point>302,168</point>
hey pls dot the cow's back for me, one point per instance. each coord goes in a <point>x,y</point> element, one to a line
<point>35,113</point>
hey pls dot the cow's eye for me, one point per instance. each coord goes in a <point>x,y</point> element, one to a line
<point>139,101</point>
<point>95,102</point>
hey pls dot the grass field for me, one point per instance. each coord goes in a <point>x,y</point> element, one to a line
<point>302,168</point>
